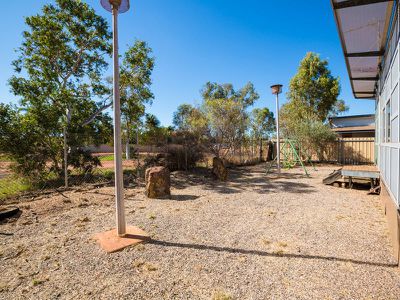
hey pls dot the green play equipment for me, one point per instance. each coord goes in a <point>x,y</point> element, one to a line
<point>291,152</point>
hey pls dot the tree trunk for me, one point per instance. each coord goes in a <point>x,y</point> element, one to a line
<point>261,150</point>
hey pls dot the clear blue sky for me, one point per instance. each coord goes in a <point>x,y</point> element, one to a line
<point>197,41</point>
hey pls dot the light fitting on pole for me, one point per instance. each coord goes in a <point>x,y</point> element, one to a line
<point>276,89</point>
<point>122,5</point>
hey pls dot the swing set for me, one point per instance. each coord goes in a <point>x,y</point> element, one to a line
<point>291,152</point>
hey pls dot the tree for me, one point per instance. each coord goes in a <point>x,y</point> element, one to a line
<point>182,117</point>
<point>135,82</point>
<point>313,91</point>
<point>226,114</point>
<point>153,132</point>
<point>152,122</point>
<point>262,125</point>
<point>314,137</point>
<point>246,96</point>
<point>59,74</point>
<point>313,97</point>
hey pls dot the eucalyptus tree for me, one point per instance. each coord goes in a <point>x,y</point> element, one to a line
<point>313,96</point>
<point>313,91</point>
<point>227,116</point>
<point>262,125</point>
<point>59,74</point>
<point>135,82</point>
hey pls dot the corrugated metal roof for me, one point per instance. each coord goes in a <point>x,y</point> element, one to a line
<point>354,128</point>
<point>363,28</point>
<point>352,116</point>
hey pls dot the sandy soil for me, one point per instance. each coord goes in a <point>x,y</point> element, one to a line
<point>256,237</point>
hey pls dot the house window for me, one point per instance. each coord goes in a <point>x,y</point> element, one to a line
<point>387,122</point>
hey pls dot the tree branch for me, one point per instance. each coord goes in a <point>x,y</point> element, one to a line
<point>96,113</point>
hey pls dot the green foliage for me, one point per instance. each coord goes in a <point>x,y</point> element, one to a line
<point>262,123</point>
<point>313,91</point>
<point>192,122</point>
<point>246,96</point>
<point>23,141</point>
<point>221,122</point>
<point>83,160</point>
<point>313,97</point>
<point>314,136</point>
<point>153,133</point>
<point>135,81</point>
<point>226,115</point>
<point>58,75</point>
<point>182,117</point>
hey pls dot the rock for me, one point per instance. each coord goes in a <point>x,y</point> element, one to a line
<point>219,169</point>
<point>158,183</point>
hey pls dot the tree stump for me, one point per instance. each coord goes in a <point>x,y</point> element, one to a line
<point>158,183</point>
<point>219,169</point>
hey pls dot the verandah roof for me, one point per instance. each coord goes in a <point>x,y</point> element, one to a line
<point>363,28</point>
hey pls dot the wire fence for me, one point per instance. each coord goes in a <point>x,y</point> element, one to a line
<point>13,185</point>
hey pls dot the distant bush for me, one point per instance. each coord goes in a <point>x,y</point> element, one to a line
<point>183,158</point>
<point>175,157</point>
<point>83,160</point>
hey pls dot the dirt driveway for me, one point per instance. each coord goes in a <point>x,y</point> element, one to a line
<point>255,237</point>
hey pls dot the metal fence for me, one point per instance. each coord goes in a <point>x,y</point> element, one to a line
<point>344,151</point>
<point>13,185</point>
<point>351,151</point>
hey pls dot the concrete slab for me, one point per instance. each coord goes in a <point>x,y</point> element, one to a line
<point>111,242</point>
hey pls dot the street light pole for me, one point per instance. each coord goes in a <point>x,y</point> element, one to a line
<point>123,236</point>
<point>276,90</point>
<point>278,141</point>
<point>116,7</point>
<point>119,181</point>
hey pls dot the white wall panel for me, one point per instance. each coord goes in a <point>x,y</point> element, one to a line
<point>389,153</point>
<point>394,172</point>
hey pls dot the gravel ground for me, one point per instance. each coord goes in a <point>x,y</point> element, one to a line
<point>255,237</point>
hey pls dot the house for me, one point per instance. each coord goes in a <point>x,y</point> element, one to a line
<point>353,126</point>
<point>369,34</point>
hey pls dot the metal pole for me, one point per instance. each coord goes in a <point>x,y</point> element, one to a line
<point>119,184</point>
<point>278,146</point>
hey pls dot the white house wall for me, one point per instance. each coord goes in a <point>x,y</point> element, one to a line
<point>389,151</point>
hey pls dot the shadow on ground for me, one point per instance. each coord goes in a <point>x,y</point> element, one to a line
<point>269,254</point>
<point>243,179</point>
<point>184,197</point>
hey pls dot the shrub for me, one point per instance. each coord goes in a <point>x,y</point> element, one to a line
<point>83,160</point>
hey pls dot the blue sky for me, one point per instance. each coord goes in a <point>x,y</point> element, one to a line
<point>210,40</point>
